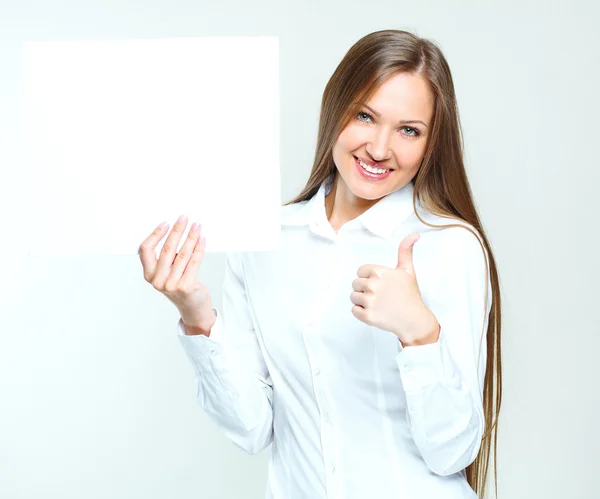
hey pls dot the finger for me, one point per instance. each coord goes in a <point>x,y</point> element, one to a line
<point>367,270</point>
<point>188,260</point>
<point>362,284</point>
<point>405,252</point>
<point>147,251</point>
<point>359,298</point>
<point>167,254</point>
<point>191,270</point>
<point>359,313</point>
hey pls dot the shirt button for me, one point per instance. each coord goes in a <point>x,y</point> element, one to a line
<point>214,353</point>
<point>332,468</point>
<point>234,395</point>
<point>317,371</point>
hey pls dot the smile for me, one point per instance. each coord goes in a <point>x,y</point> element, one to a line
<point>371,173</point>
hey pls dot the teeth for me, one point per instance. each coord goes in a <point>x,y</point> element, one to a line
<point>371,169</point>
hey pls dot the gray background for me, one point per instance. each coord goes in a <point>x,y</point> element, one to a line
<point>96,395</point>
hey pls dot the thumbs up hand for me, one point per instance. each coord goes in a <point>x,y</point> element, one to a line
<point>390,299</point>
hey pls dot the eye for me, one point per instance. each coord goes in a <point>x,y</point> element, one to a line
<point>413,131</point>
<point>364,114</point>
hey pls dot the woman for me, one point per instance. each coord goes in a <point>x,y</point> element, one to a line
<point>369,360</point>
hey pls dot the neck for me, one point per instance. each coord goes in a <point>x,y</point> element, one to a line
<point>339,208</point>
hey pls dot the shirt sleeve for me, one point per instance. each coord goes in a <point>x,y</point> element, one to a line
<point>233,383</point>
<point>443,381</point>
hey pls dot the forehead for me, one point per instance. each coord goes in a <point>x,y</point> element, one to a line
<point>404,96</point>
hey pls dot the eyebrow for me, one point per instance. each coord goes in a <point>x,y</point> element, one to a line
<point>401,121</point>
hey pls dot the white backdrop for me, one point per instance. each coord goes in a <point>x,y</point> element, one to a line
<point>96,395</point>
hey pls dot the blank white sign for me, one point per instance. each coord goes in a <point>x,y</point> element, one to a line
<point>122,135</point>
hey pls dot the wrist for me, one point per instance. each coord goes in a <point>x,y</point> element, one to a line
<point>195,326</point>
<point>431,336</point>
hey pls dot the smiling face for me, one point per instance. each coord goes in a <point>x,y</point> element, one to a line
<point>391,131</point>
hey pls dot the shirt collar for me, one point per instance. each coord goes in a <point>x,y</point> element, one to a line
<point>382,219</point>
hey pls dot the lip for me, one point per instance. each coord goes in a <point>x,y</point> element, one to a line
<point>374,165</point>
<point>368,176</point>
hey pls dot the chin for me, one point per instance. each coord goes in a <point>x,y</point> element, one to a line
<point>365,190</point>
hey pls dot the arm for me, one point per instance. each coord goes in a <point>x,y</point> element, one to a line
<point>443,381</point>
<point>233,384</point>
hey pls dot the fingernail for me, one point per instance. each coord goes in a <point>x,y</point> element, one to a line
<point>195,227</point>
<point>181,219</point>
<point>162,225</point>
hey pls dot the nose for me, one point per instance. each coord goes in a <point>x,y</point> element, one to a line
<point>379,146</point>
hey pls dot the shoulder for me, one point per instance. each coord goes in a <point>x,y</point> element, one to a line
<point>239,262</point>
<point>462,239</point>
<point>458,258</point>
<point>291,212</point>
<point>455,239</point>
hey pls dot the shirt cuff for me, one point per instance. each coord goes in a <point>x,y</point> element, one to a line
<point>423,365</point>
<point>199,345</point>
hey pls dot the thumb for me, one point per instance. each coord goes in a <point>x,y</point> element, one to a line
<point>405,252</point>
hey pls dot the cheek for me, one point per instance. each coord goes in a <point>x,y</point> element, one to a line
<point>350,138</point>
<point>410,155</point>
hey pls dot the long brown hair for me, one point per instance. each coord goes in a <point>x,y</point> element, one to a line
<point>441,183</point>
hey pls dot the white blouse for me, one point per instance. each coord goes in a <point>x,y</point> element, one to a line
<point>350,413</point>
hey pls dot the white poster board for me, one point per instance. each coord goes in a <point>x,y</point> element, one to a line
<point>122,135</point>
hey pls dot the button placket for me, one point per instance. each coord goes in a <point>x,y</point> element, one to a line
<point>327,436</point>
<point>322,299</point>
<point>333,267</point>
